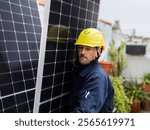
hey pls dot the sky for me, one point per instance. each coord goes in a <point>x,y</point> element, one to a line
<point>132,14</point>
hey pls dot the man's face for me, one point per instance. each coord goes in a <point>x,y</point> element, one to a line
<point>86,54</point>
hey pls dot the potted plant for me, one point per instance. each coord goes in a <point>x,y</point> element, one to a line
<point>146,87</point>
<point>146,82</point>
<point>121,101</point>
<point>136,94</point>
<point>116,56</point>
<point>106,66</point>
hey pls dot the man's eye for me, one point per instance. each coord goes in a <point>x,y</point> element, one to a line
<point>80,48</point>
<point>88,49</point>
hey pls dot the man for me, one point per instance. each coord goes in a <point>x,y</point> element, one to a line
<point>93,91</point>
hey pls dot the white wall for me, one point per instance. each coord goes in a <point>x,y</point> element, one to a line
<point>106,29</point>
<point>137,66</point>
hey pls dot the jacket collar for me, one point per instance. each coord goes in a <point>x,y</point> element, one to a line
<point>84,70</point>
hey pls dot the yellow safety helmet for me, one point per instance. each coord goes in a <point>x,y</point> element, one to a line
<point>91,37</point>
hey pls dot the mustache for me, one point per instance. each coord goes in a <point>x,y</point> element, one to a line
<point>82,56</point>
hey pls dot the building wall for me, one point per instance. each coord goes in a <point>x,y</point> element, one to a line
<point>105,27</point>
<point>137,64</point>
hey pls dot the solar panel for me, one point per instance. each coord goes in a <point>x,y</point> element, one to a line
<point>67,18</point>
<point>20,33</point>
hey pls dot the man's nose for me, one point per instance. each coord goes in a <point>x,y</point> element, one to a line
<point>83,51</point>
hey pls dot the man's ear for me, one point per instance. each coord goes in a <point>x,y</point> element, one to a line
<point>99,50</point>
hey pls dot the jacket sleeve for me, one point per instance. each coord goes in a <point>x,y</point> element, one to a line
<point>92,96</point>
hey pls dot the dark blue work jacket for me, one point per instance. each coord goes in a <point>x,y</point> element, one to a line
<point>93,91</point>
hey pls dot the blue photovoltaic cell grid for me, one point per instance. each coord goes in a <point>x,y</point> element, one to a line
<point>67,18</point>
<point>20,33</point>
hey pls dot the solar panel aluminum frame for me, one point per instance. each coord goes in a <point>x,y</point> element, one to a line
<point>41,57</point>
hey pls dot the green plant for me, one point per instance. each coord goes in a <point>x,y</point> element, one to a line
<point>121,101</point>
<point>147,78</point>
<point>135,92</point>
<point>116,55</point>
